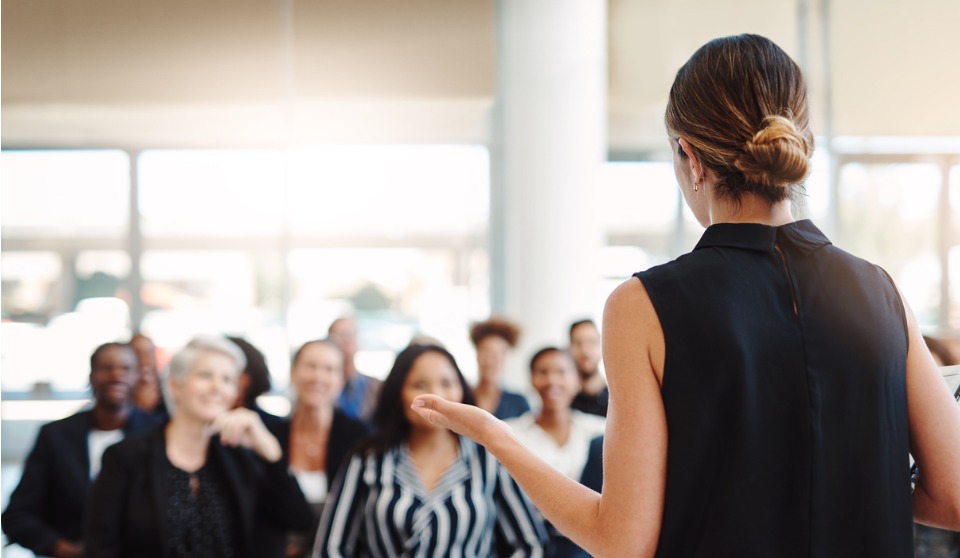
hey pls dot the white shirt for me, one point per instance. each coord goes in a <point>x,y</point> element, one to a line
<point>313,484</point>
<point>569,458</point>
<point>97,442</point>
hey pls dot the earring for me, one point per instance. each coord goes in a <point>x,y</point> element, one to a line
<point>696,183</point>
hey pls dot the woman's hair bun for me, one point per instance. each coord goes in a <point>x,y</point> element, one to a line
<point>778,155</point>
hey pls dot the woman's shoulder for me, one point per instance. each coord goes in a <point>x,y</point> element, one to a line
<point>682,265</point>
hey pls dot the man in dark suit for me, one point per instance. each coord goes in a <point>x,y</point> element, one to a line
<point>46,510</point>
<point>585,348</point>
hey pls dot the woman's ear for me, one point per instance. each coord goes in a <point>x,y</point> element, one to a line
<point>691,157</point>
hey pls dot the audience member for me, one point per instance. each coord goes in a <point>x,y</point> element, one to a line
<point>492,340</point>
<point>194,487</point>
<point>254,381</point>
<point>47,508</point>
<point>146,392</point>
<point>360,392</point>
<point>414,489</point>
<point>585,349</point>
<point>318,435</point>
<point>560,435</point>
<point>931,542</point>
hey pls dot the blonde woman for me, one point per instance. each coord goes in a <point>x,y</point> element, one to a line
<point>194,486</point>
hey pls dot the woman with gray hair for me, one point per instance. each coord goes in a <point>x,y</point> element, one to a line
<point>194,487</point>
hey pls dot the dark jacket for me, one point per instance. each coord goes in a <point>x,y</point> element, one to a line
<point>345,432</point>
<point>128,512</point>
<point>49,502</point>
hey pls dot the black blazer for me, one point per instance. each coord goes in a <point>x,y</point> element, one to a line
<point>51,498</point>
<point>345,432</point>
<point>128,506</point>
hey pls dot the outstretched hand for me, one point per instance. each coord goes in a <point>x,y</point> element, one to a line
<point>466,420</point>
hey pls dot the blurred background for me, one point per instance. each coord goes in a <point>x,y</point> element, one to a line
<point>258,168</point>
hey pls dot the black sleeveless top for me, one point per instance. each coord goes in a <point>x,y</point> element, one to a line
<point>787,429</point>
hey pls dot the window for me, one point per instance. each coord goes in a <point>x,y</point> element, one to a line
<point>888,215</point>
<point>65,193</point>
<point>211,193</point>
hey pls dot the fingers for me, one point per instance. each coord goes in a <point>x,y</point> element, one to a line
<point>466,420</point>
<point>235,427</point>
<point>243,427</point>
<point>429,408</point>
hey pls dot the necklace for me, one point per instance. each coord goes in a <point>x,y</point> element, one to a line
<point>309,450</point>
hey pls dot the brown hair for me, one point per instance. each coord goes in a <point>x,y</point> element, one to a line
<point>500,327</point>
<point>741,103</point>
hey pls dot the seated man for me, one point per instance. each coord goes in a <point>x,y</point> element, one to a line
<point>585,348</point>
<point>46,510</point>
<point>360,392</point>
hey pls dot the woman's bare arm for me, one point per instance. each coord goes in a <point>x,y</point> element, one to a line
<point>934,436</point>
<point>625,519</point>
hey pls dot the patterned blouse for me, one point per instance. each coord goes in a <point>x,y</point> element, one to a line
<point>201,521</point>
<point>380,508</point>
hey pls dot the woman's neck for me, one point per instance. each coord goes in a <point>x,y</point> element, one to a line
<point>750,209</point>
<point>488,386</point>
<point>430,440</point>
<point>187,441</point>
<point>309,437</point>
<point>487,394</point>
<point>556,422</point>
<point>310,418</point>
<point>433,452</point>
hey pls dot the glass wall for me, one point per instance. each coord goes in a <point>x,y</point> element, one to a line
<point>886,204</point>
<point>271,245</point>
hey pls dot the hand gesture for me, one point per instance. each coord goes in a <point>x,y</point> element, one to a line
<point>243,428</point>
<point>466,420</point>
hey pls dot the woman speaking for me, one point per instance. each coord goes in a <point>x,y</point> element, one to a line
<point>766,388</point>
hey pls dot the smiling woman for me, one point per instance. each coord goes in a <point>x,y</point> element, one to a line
<point>195,486</point>
<point>558,433</point>
<point>315,440</point>
<point>416,489</point>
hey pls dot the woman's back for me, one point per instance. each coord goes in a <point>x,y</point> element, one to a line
<point>784,386</point>
<point>758,386</point>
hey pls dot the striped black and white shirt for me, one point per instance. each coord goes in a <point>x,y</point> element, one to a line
<point>379,508</point>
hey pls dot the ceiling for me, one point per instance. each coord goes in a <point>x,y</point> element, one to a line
<point>139,73</point>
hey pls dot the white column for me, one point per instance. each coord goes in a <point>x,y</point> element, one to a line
<point>548,143</point>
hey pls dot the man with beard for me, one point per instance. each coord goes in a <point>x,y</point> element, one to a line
<point>46,510</point>
<point>586,352</point>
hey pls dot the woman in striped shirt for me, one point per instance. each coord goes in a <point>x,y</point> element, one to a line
<point>416,489</point>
